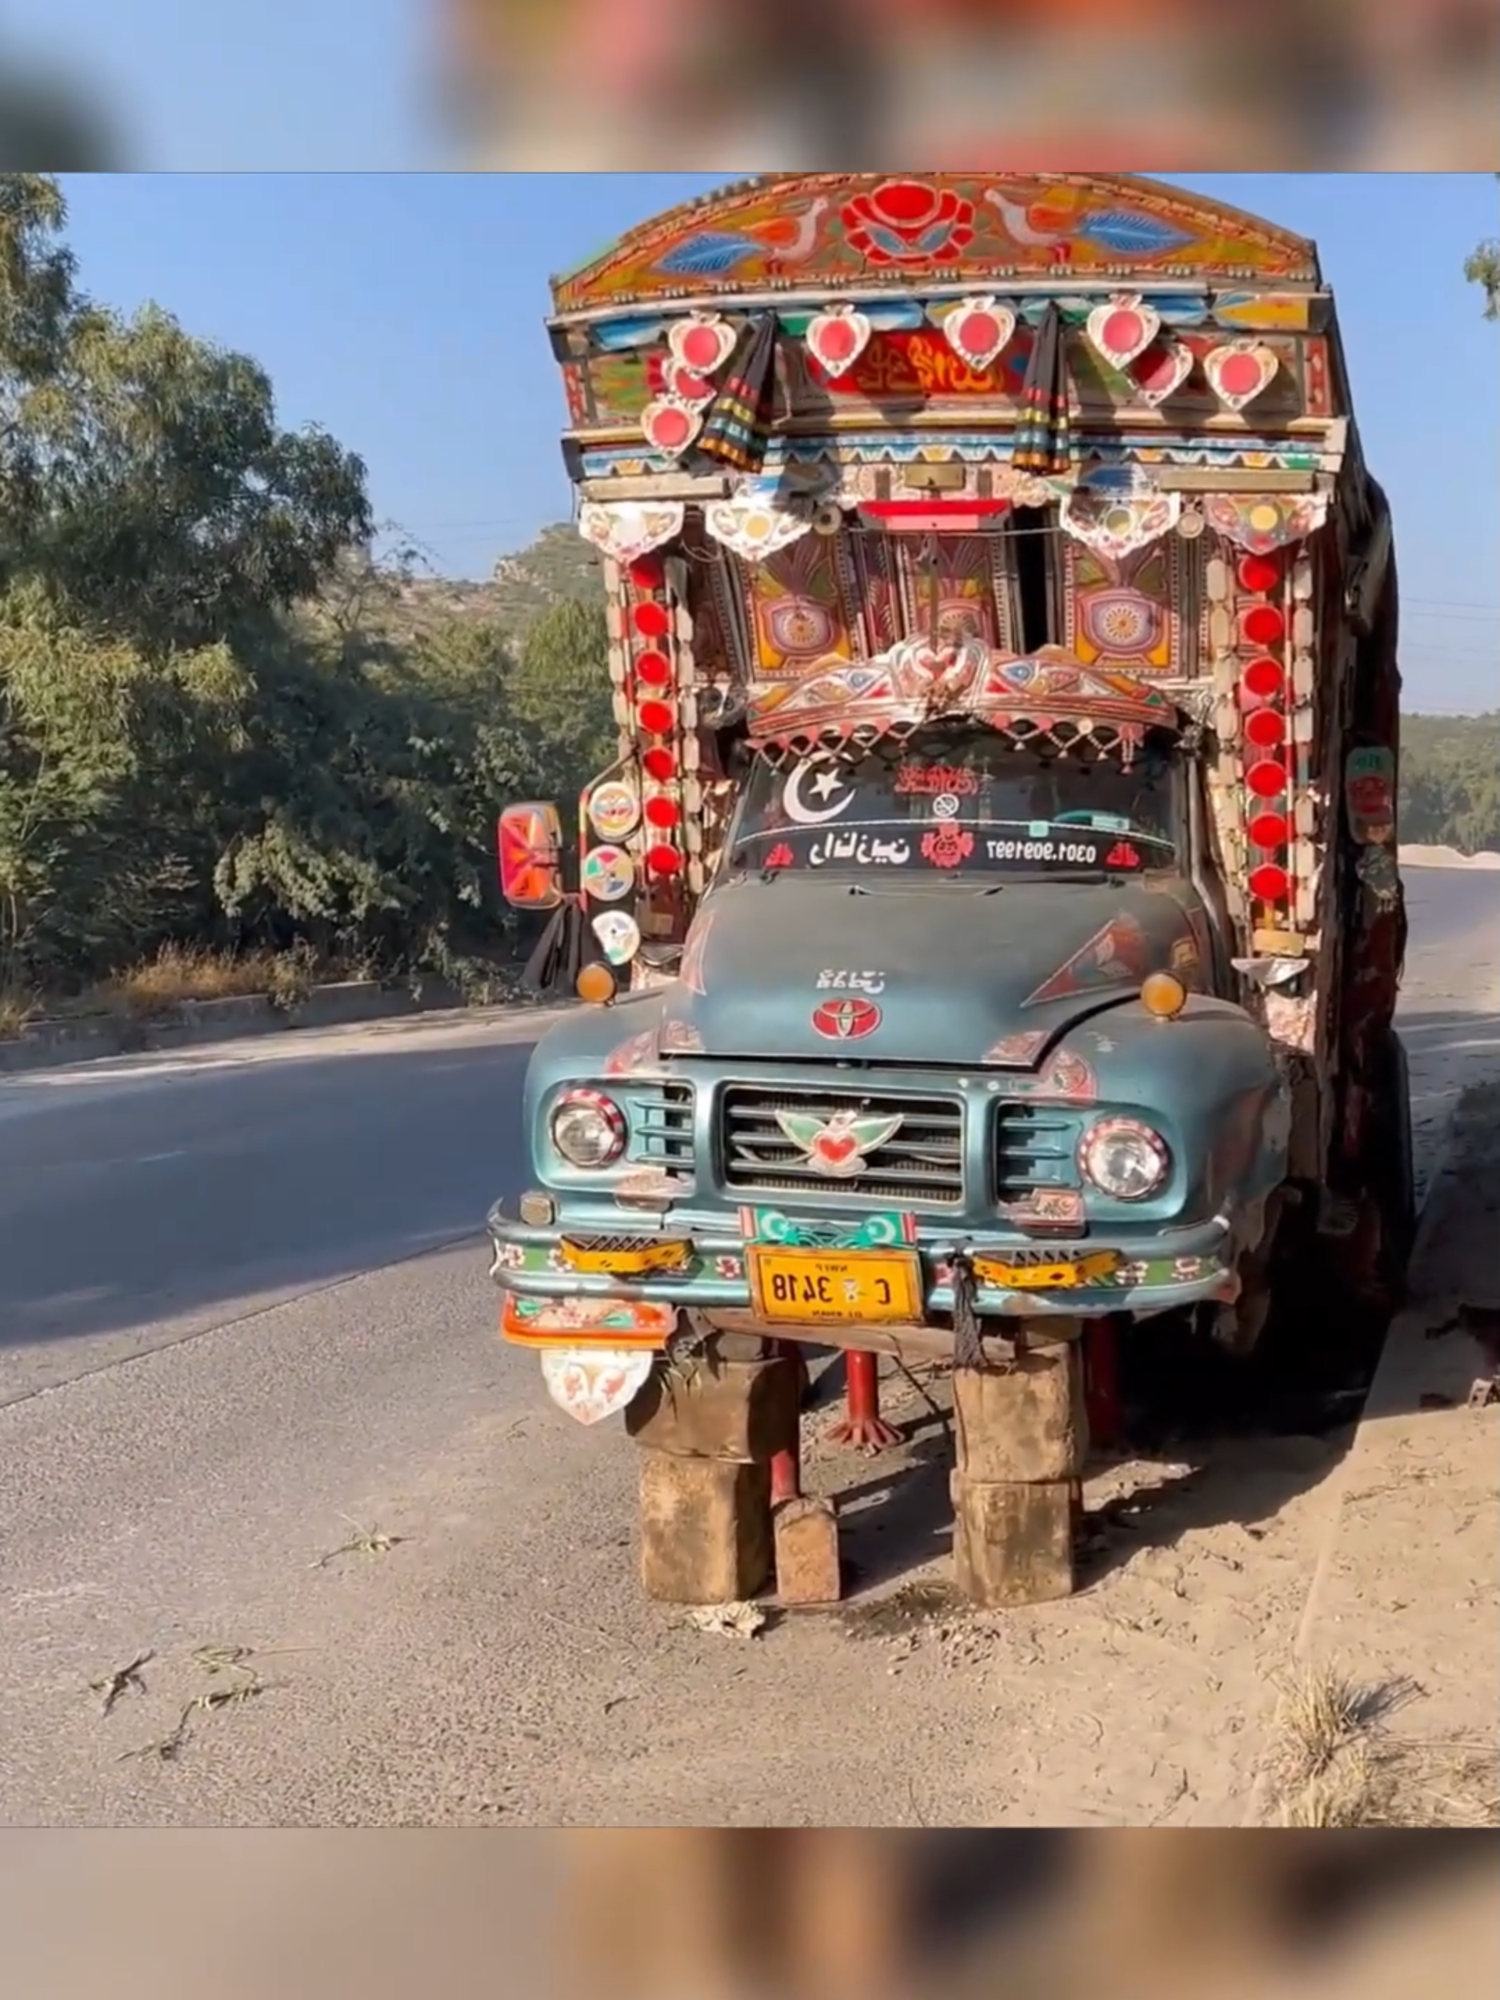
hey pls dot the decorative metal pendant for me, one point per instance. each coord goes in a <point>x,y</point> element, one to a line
<point>979,331</point>
<point>837,338</point>
<point>1123,330</point>
<point>1240,371</point>
<point>702,343</point>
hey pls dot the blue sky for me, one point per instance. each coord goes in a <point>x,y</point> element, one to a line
<point>403,312</point>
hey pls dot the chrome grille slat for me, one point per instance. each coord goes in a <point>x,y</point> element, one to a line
<point>661,1125</point>
<point>922,1162</point>
<point>1035,1146</point>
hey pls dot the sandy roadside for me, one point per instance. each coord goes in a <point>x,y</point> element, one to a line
<point>1402,1621</point>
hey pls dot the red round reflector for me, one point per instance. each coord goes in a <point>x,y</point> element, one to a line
<point>700,347</point>
<point>648,572</point>
<point>1259,573</point>
<point>1264,679</point>
<point>653,669</point>
<point>663,860</point>
<point>836,341</point>
<point>1269,882</point>
<point>1123,330</point>
<point>1265,728</point>
<point>660,764</point>
<point>662,812</point>
<point>655,717</point>
<point>1267,829</point>
<point>1266,779</point>
<point>652,621</point>
<point>1263,625</point>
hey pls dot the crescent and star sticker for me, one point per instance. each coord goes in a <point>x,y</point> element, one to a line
<point>828,782</point>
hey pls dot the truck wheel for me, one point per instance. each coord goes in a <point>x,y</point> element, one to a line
<point>1394,1183</point>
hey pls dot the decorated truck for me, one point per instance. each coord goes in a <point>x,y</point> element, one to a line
<point>991,925</point>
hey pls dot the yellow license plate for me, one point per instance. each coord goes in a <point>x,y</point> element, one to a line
<point>852,1286</point>
<point>1048,1274</point>
<point>623,1256</point>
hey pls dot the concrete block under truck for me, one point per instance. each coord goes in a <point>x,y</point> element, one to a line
<point>993,917</point>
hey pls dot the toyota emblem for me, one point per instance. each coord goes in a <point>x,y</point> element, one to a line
<point>846,1020</point>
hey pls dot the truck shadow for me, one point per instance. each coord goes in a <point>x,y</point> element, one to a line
<point>1209,1443</point>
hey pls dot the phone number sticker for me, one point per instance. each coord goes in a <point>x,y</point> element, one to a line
<point>1042,850</point>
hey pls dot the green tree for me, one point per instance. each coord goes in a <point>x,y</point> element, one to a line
<point>1450,781</point>
<point>222,722</point>
<point>1482,267</point>
<point>561,687</point>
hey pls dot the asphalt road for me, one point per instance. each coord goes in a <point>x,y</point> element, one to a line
<point>244,1321</point>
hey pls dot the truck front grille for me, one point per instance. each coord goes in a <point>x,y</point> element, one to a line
<point>919,1165</point>
<point>1036,1146</point>
<point>661,1125</point>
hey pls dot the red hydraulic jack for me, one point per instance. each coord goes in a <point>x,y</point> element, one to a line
<point>863,1426</point>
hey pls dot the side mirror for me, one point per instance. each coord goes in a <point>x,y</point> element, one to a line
<point>530,842</point>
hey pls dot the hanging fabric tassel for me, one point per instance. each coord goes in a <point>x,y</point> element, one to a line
<point>1043,437</point>
<point>554,965</point>
<point>737,423</point>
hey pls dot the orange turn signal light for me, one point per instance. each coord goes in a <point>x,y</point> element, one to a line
<point>1164,996</point>
<point>596,984</point>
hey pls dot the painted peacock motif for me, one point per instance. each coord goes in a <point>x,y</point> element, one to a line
<point>780,241</point>
<point>1054,222</point>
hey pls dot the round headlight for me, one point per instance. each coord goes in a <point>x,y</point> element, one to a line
<point>1125,1160</point>
<point>588,1129</point>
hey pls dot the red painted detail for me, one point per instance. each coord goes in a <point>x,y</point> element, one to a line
<point>652,621</point>
<point>903,512</point>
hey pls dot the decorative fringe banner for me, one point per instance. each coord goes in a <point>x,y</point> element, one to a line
<point>1043,436</point>
<point>737,423</point>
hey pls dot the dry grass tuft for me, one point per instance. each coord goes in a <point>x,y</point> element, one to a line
<point>185,972</point>
<point>1336,1764</point>
<point>16,1009</point>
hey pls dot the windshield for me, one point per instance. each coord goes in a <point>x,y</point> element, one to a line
<point>960,804</point>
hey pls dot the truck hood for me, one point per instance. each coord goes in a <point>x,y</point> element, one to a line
<point>941,973</point>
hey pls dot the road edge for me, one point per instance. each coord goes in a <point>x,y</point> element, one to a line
<point>62,1044</point>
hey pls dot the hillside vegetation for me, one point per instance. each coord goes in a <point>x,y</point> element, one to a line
<point>1450,781</point>
<point>233,746</point>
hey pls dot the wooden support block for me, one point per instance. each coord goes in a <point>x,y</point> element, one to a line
<point>807,1551</point>
<point>1025,1422</point>
<point>705,1529</point>
<point>716,1408</point>
<point>1013,1543</point>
